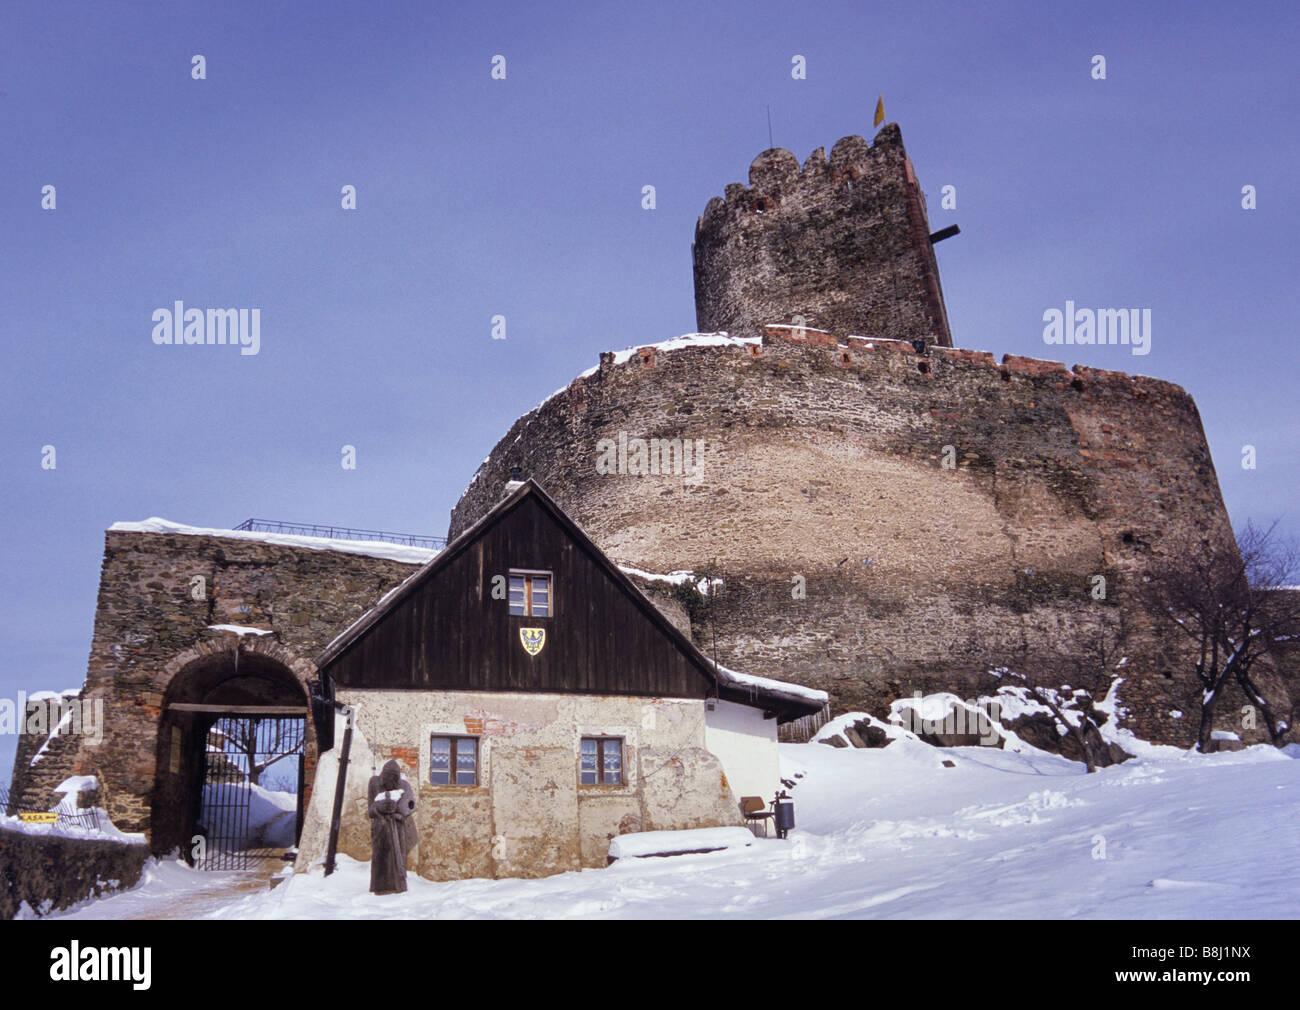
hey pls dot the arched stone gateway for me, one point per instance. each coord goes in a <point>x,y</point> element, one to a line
<point>171,596</point>
<point>229,709</point>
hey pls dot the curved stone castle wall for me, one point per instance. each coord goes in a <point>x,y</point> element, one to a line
<point>824,462</point>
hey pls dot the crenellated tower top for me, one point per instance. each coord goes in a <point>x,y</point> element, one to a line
<point>842,245</point>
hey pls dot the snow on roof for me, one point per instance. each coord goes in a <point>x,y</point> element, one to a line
<point>774,686</point>
<point>369,548</point>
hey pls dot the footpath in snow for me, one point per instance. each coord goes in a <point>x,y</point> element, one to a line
<point>890,833</point>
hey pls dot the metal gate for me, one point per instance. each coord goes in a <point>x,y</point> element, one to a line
<point>251,805</point>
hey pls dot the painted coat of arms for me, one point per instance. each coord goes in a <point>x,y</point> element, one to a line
<point>533,639</point>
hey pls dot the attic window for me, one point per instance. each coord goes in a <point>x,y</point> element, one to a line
<point>530,593</point>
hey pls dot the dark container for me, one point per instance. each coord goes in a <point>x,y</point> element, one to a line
<point>784,816</point>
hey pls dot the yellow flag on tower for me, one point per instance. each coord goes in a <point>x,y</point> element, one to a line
<point>880,111</point>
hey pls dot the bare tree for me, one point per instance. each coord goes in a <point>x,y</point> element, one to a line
<point>263,742</point>
<point>1230,599</point>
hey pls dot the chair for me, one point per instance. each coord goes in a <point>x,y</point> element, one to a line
<point>756,814</point>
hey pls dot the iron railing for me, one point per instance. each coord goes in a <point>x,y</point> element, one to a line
<point>237,820</point>
<point>341,533</point>
<point>85,819</point>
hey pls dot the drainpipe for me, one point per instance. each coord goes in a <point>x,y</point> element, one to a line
<point>332,850</point>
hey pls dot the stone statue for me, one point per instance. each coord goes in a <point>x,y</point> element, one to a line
<point>392,829</point>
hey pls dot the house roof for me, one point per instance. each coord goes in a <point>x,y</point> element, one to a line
<point>777,698</point>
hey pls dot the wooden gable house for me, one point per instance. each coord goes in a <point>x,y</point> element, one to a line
<point>540,705</point>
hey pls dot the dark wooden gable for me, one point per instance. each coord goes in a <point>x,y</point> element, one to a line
<point>443,629</point>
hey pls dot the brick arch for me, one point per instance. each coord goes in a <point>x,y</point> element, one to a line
<point>199,674</point>
<point>303,670</point>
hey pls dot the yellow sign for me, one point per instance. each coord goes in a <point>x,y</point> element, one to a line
<point>39,818</point>
<point>533,639</point>
<point>880,111</point>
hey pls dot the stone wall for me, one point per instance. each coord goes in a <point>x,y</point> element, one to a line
<point>844,243</point>
<point>150,627</point>
<point>48,872</point>
<point>824,471</point>
<point>39,748</point>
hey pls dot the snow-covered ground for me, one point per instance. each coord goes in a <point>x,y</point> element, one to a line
<point>271,818</point>
<point>88,823</point>
<point>891,833</point>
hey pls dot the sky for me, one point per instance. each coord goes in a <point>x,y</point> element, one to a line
<point>522,197</point>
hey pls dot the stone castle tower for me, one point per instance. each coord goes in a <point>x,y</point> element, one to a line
<point>942,514</point>
<point>840,245</point>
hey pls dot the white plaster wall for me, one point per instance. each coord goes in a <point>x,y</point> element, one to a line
<point>407,718</point>
<point>528,815</point>
<point>746,745</point>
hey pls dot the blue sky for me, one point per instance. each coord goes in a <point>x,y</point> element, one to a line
<point>478,197</point>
